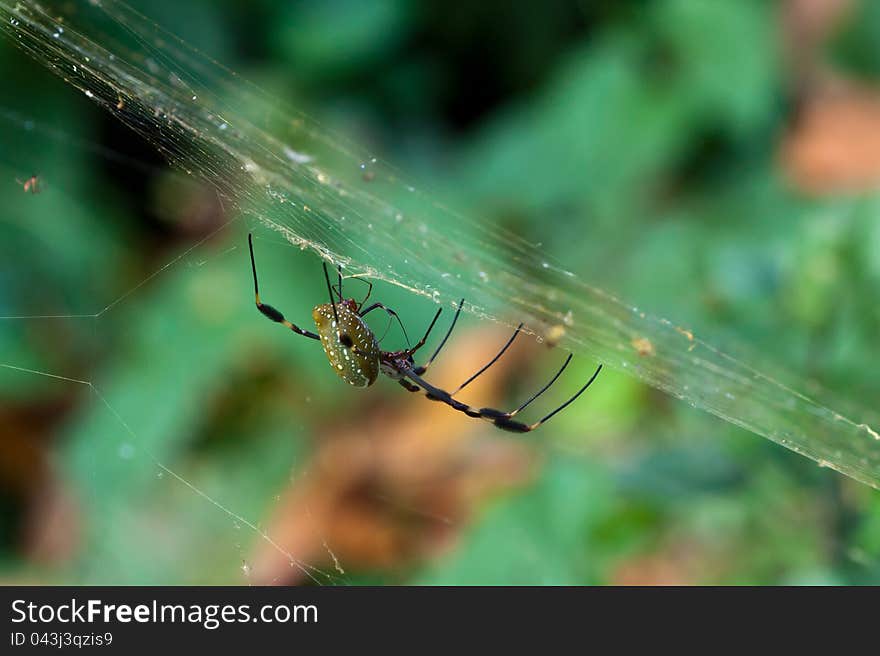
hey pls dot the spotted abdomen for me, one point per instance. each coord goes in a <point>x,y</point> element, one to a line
<point>350,346</point>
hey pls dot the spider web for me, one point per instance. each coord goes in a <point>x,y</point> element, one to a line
<point>126,457</point>
<point>284,173</point>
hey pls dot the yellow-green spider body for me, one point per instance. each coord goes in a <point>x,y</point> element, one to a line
<point>350,346</point>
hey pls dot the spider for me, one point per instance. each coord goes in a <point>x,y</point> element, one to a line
<point>354,353</point>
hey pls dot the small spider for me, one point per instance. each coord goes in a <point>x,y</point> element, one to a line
<point>32,184</point>
<point>355,355</point>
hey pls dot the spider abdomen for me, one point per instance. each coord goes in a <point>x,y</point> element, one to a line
<point>350,345</point>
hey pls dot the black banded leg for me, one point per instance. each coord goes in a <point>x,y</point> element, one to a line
<point>502,420</point>
<point>491,362</point>
<point>437,394</point>
<point>423,368</point>
<point>269,311</point>
<point>410,387</point>
<point>390,313</point>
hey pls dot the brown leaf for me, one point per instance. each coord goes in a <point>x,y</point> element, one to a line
<point>835,144</point>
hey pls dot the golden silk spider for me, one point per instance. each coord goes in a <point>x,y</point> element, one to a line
<point>354,353</point>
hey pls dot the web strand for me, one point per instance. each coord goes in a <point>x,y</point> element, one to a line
<point>314,574</point>
<point>290,175</point>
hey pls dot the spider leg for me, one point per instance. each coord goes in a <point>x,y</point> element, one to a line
<point>330,291</point>
<point>338,288</point>
<point>410,387</point>
<point>502,420</point>
<point>369,291</point>
<point>423,368</point>
<point>570,401</point>
<point>543,389</point>
<point>491,362</point>
<point>421,342</point>
<point>437,394</point>
<point>390,313</point>
<point>268,310</point>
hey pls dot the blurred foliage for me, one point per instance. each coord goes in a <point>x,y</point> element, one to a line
<point>641,143</point>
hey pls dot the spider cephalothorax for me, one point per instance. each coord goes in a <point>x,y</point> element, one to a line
<point>355,355</point>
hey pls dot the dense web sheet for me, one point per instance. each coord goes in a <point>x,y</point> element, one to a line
<point>288,174</point>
